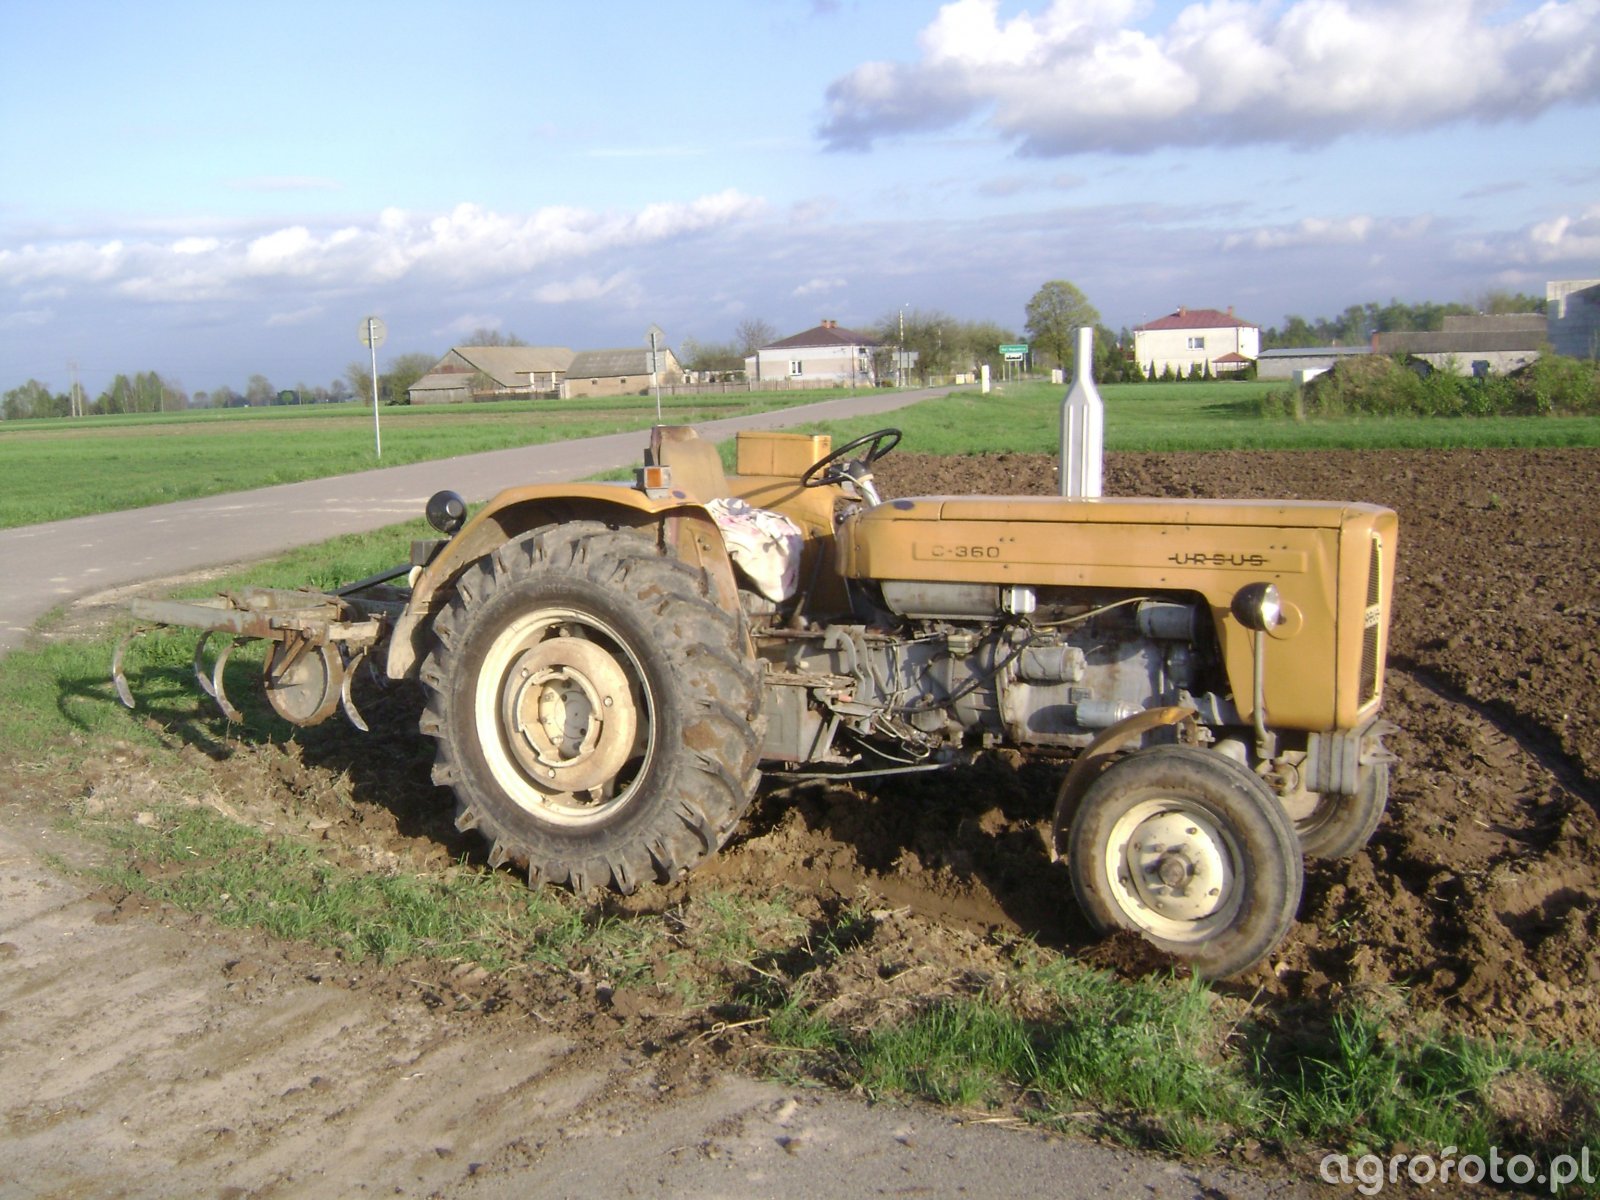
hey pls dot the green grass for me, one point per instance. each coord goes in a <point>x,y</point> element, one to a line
<point>1025,419</point>
<point>60,468</point>
<point>67,468</point>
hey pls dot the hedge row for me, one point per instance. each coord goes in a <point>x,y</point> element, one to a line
<point>1380,386</point>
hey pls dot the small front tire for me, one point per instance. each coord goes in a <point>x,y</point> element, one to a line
<point>1191,851</point>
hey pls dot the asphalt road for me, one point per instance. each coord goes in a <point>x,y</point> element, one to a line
<point>42,566</point>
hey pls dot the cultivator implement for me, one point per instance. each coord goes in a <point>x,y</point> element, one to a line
<point>319,641</point>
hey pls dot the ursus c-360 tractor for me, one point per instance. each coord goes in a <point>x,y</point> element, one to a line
<point>606,668</point>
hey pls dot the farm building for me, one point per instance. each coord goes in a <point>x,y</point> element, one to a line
<point>1304,362</point>
<point>492,372</point>
<point>619,372</point>
<point>1197,339</point>
<point>1475,345</point>
<point>825,354</point>
<point>1572,307</point>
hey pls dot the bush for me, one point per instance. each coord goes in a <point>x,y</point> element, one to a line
<point>1374,385</point>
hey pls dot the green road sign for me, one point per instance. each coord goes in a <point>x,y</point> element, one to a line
<point>1014,348</point>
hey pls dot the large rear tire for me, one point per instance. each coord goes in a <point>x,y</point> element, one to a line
<point>1190,850</point>
<point>597,713</point>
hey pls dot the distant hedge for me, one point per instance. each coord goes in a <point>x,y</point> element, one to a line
<point>1376,385</point>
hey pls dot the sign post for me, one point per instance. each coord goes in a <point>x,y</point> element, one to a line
<point>655,335</point>
<point>1013,352</point>
<point>372,333</point>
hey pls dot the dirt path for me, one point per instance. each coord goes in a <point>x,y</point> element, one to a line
<point>148,1054</point>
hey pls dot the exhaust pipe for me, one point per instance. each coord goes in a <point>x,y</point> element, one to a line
<point>1082,425</point>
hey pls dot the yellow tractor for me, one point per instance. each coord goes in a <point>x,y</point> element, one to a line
<point>606,669</point>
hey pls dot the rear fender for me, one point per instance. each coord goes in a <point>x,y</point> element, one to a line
<point>679,526</point>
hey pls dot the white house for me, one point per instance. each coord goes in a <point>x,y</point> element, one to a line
<point>1197,338</point>
<point>824,355</point>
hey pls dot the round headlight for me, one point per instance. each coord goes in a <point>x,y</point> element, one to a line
<point>1258,606</point>
<point>447,512</point>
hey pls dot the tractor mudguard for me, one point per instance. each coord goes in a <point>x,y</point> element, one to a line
<point>1100,754</point>
<point>683,525</point>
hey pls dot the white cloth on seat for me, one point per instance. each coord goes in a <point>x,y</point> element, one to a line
<point>763,544</point>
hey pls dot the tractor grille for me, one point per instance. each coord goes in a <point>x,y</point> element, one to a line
<point>1372,622</point>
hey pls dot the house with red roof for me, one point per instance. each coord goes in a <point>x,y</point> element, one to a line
<point>824,355</point>
<point>1196,338</point>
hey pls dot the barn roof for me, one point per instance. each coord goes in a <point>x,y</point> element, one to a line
<point>510,366</point>
<point>613,364</point>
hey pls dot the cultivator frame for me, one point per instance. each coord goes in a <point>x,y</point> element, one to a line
<point>319,641</point>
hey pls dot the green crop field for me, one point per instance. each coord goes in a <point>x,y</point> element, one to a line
<point>1025,419</point>
<point>68,468</point>
<point>55,469</point>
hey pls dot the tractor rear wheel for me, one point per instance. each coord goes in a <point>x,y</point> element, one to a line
<point>596,711</point>
<point>1190,850</point>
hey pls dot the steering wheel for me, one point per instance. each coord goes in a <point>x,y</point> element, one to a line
<point>822,472</point>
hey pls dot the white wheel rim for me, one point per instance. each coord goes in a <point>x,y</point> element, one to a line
<point>565,716</point>
<point>1173,870</point>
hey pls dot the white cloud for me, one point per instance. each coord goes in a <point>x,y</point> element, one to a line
<point>1308,231</point>
<point>467,245</point>
<point>301,316</point>
<point>27,318</point>
<point>1081,76</point>
<point>1564,244</point>
<point>814,287</point>
<point>620,286</point>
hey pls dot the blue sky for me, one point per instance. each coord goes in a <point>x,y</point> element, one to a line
<point>212,191</point>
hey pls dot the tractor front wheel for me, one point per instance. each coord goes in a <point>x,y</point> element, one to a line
<point>596,711</point>
<point>1190,850</point>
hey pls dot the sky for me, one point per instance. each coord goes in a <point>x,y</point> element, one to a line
<point>215,191</point>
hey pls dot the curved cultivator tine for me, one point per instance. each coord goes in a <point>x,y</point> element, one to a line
<point>211,682</point>
<point>118,679</point>
<point>352,713</point>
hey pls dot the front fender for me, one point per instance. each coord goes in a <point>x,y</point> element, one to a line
<point>680,525</point>
<point>1099,755</point>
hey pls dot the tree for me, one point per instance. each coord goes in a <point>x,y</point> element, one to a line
<point>491,337</point>
<point>752,334</point>
<point>1055,312</point>
<point>714,358</point>
<point>32,399</point>
<point>358,375</point>
<point>932,336</point>
<point>258,393</point>
<point>405,370</point>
